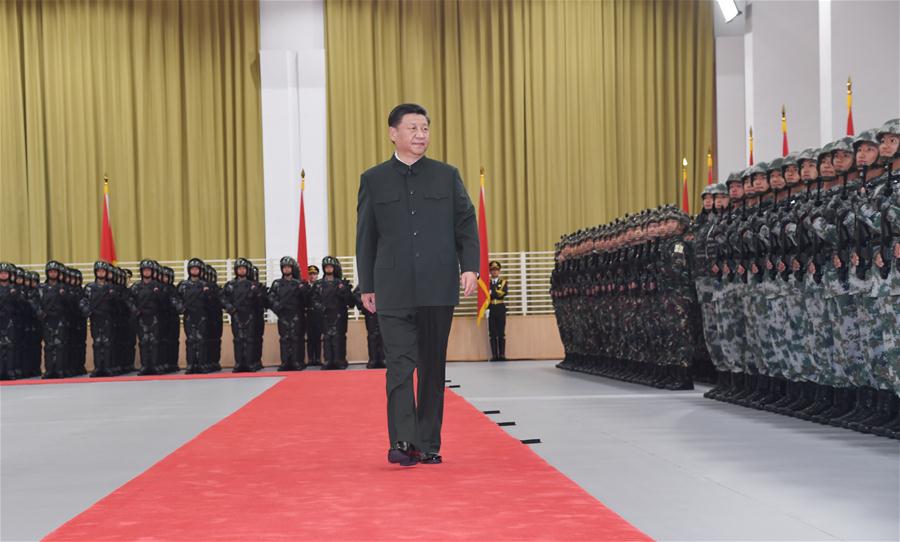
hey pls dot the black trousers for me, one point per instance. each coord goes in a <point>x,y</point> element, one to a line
<point>416,339</point>
<point>497,321</point>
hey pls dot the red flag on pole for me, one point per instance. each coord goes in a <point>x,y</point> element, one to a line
<point>685,202</point>
<point>484,293</point>
<point>849,107</point>
<point>751,145</point>
<point>107,245</point>
<point>709,175</point>
<point>302,257</point>
<point>784,143</point>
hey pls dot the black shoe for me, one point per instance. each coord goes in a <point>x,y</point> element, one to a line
<point>431,458</point>
<point>403,454</point>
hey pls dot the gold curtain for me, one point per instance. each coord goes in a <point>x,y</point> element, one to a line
<point>161,95</point>
<point>580,111</point>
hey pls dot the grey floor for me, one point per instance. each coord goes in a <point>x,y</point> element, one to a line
<point>65,446</point>
<point>677,466</point>
<point>681,467</point>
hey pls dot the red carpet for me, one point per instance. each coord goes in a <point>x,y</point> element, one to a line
<point>306,461</point>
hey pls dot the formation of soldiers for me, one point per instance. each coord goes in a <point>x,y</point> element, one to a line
<point>796,270</point>
<point>149,312</point>
<point>625,303</point>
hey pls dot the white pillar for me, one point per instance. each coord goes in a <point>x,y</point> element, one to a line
<point>292,73</point>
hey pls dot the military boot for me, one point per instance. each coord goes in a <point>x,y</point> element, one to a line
<point>885,410</point>
<point>865,402</point>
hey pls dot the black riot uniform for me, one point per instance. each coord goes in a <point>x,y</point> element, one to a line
<point>50,305</point>
<point>146,298</point>
<point>99,303</point>
<point>374,340</point>
<point>241,299</point>
<point>192,300</point>
<point>11,336</point>
<point>78,334</point>
<point>168,319</point>
<point>497,315</point>
<point>217,323</point>
<point>288,297</point>
<point>331,296</point>
<point>313,324</point>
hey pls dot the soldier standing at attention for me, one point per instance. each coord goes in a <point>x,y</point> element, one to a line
<point>497,315</point>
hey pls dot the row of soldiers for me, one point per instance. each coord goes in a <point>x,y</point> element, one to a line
<point>796,267</point>
<point>150,311</point>
<point>638,269</point>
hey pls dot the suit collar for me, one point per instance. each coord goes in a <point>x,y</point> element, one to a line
<point>403,169</point>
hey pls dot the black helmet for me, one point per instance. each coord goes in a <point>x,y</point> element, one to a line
<point>287,261</point>
<point>332,261</point>
<point>195,262</point>
<point>242,262</point>
<point>8,267</point>
<point>146,264</point>
<point>54,265</point>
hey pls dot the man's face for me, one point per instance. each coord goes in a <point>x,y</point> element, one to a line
<point>843,160</point>
<point>748,187</point>
<point>736,190</point>
<point>4,276</point>
<point>241,271</point>
<point>328,269</point>
<point>808,170</point>
<point>287,270</point>
<point>889,145</point>
<point>101,274</point>
<point>760,184</point>
<point>826,167</point>
<point>866,154</point>
<point>411,135</point>
<point>164,279</point>
<point>495,273</point>
<point>20,280</point>
<point>708,202</point>
<point>146,272</point>
<point>721,201</point>
<point>776,180</point>
<point>313,276</point>
<point>53,274</point>
<point>792,174</point>
<point>194,271</point>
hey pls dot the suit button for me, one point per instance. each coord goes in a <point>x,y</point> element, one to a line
<point>415,233</point>
<point>411,192</point>
<point>412,212</point>
<point>417,254</point>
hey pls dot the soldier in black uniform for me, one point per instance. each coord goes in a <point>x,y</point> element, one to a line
<point>289,297</point>
<point>497,315</point>
<point>99,304</point>
<point>374,340</point>
<point>216,321</point>
<point>168,320</point>
<point>11,296</point>
<point>331,296</point>
<point>50,306</point>
<point>145,299</point>
<point>313,324</point>
<point>240,297</point>
<point>78,334</point>
<point>193,300</point>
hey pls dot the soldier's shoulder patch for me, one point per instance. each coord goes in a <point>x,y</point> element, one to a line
<point>679,248</point>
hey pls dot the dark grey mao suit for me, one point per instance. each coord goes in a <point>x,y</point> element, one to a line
<point>415,233</point>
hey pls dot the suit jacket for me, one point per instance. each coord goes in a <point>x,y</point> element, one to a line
<point>415,231</point>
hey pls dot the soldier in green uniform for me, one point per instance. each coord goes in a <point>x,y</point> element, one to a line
<point>497,317</point>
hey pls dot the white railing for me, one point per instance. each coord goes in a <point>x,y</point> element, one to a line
<point>527,273</point>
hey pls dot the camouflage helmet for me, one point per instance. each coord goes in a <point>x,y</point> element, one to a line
<point>866,136</point>
<point>718,189</point>
<point>843,144</point>
<point>760,168</point>
<point>807,154</point>
<point>890,127</point>
<point>775,165</point>
<point>825,151</point>
<point>733,177</point>
<point>790,160</point>
<point>707,191</point>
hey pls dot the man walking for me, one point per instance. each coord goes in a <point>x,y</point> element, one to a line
<point>416,235</point>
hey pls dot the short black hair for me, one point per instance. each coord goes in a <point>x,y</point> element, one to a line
<point>405,109</point>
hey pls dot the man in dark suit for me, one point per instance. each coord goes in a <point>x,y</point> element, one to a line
<point>416,244</point>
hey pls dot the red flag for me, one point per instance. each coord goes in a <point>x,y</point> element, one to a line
<point>849,107</point>
<point>302,257</point>
<point>107,245</point>
<point>685,202</point>
<point>784,143</point>
<point>484,293</point>
<point>709,175</point>
<point>751,145</point>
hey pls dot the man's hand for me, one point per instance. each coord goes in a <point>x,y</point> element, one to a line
<point>468,282</point>
<point>369,302</point>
